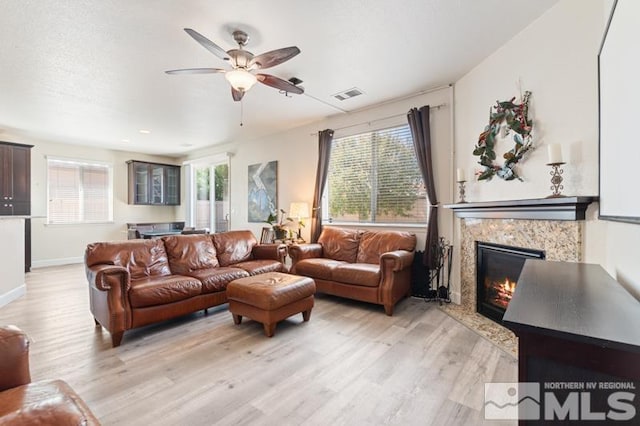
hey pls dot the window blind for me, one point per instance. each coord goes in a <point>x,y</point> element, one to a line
<point>374,178</point>
<point>79,192</point>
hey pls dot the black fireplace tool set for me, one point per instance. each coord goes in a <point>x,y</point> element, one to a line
<point>440,278</point>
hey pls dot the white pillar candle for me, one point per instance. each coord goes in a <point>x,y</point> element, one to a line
<point>460,175</point>
<point>555,153</point>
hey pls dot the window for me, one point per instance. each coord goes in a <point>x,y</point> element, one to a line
<point>374,178</point>
<point>79,192</point>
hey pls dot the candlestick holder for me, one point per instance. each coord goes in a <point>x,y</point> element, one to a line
<point>461,191</point>
<point>556,180</point>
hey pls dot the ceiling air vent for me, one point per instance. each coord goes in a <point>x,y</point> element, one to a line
<point>347,94</point>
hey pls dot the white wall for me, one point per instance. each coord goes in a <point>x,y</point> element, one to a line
<point>297,154</point>
<point>295,151</point>
<point>555,58</point>
<point>61,244</point>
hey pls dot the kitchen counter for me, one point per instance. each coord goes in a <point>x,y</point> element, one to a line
<point>12,284</point>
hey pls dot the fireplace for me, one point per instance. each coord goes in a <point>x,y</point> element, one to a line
<point>498,269</point>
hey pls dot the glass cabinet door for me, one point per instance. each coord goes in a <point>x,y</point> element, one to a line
<point>157,184</point>
<point>173,186</point>
<point>141,190</point>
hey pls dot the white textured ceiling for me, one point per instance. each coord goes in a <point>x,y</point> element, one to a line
<point>92,72</point>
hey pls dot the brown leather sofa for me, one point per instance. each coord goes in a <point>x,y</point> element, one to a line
<point>371,266</point>
<point>138,282</point>
<point>50,402</point>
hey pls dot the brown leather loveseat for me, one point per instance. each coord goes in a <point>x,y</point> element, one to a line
<point>138,282</point>
<point>371,266</point>
<point>22,402</point>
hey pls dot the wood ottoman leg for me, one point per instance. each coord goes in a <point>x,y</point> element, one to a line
<point>306,315</point>
<point>269,329</point>
<point>237,319</point>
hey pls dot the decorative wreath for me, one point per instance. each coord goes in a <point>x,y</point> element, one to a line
<point>516,116</point>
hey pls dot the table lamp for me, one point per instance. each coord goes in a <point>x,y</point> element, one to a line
<point>299,210</point>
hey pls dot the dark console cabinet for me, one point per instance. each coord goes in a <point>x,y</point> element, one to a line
<point>15,187</point>
<point>575,324</point>
<point>153,183</point>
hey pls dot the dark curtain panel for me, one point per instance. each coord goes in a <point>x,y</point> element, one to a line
<point>325,138</point>
<point>421,132</point>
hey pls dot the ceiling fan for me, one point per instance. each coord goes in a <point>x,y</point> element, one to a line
<point>243,76</point>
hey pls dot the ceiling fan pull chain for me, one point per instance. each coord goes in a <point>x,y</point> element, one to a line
<point>241,111</point>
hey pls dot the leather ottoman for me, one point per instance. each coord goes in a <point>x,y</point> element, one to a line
<point>270,297</point>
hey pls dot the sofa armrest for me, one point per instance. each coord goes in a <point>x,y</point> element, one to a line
<point>395,270</point>
<point>270,251</point>
<point>396,260</point>
<point>109,287</point>
<point>14,358</point>
<point>298,252</point>
<point>104,277</point>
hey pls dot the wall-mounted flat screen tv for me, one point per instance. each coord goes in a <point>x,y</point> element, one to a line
<point>619,93</point>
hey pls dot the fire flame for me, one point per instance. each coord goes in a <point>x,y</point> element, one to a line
<point>508,286</point>
<point>500,292</point>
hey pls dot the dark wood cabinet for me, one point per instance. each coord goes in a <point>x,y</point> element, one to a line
<point>153,183</point>
<point>575,324</point>
<point>15,187</point>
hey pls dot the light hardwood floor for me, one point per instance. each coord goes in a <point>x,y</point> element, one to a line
<point>349,365</point>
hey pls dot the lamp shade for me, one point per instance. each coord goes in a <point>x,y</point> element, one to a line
<point>299,210</point>
<point>240,79</point>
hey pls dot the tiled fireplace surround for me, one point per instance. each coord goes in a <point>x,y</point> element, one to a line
<point>560,237</point>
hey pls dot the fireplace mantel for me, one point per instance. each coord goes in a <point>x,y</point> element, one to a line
<point>561,208</point>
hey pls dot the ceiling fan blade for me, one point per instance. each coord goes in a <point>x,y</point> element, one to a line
<point>237,94</point>
<point>274,57</point>
<point>279,83</point>
<point>208,44</point>
<point>196,71</point>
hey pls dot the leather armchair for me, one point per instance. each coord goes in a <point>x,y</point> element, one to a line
<point>22,402</point>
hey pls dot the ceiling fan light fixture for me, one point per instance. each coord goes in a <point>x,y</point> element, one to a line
<point>240,79</point>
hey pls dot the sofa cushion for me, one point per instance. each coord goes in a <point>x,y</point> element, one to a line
<point>190,252</point>
<point>255,267</point>
<point>142,258</point>
<point>216,279</point>
<point>364,274</point>
<point>234,246</point>
<point>154,291</point>
<point>317,268</point>
<point>339,244</point>
<point>374,243</point>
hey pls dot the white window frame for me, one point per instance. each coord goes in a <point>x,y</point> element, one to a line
<point>189,167</point>
<point>80,163</point>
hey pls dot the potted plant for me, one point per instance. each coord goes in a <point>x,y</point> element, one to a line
<point>279,221</point>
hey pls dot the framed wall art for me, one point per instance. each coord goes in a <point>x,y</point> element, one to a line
<point>263,185</point>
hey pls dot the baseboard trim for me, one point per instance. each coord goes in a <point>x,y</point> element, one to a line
<point>12,295</point>
<point>56,262</point>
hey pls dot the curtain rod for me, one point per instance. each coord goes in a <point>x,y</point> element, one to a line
<point>378,119</point>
